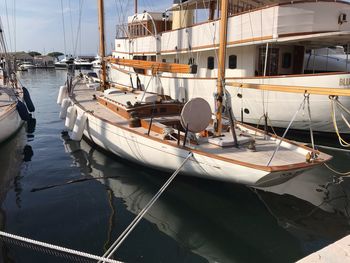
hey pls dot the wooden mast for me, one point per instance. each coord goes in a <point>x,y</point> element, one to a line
<point>102,50</point>
<point>221,66</point>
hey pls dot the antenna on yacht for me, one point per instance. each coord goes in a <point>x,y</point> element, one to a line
<point>135,7</point>
<point>221,66</point>
<point>102,50</point>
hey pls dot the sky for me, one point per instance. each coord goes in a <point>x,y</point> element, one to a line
<point>37,25</point>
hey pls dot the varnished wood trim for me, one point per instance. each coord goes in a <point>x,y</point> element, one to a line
<point>154,66</point>
<point>293,89</point>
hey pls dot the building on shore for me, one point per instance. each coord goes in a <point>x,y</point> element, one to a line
<point>44,61</point>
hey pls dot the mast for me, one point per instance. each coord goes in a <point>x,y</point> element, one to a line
<point>221,66</point>
<point>135,7</point>
<point>102,50</point>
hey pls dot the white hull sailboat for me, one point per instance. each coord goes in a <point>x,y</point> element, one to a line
<point>13,110</point>
<point>163,133</point>
<point>269,43</point>
<point>10,120</point>
<point>15,101</point>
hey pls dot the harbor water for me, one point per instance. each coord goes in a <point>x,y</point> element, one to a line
<point>74,195</point>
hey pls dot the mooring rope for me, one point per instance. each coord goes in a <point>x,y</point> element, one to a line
<point>57,248</point>
<point>337,172</point>
<point>334,100</point>
<point>137,219</point>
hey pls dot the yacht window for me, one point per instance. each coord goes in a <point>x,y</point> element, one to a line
<point>286,60</point>
<point>210,63</point>
<point>232,62</point>
<point>164,60</point>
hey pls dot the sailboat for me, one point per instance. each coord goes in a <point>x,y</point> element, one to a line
<point>16,104</point>
<point>164,133</point>
<point>271,42</point>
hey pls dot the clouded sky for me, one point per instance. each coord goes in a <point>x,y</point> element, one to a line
<point>38,25</point>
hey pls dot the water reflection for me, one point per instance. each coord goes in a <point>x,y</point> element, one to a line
<point>220,222</point>
<point>11,159</point>
<point>314,206</point>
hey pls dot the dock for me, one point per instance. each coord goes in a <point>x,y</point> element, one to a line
<point>338,252</point>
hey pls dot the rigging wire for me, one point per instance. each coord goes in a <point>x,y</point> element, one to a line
<point>64,29</point>
<point>8,25</point>
<point>71,25</point>
<point>14,25</point>
<point>79,27</point>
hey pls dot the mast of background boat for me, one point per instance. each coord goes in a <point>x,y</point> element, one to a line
<point>221,66</point>
<point>135,7</point>
<point>102,51</point>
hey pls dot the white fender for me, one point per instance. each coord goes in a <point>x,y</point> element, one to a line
<point>71,117</point>
<point>79,126</point>
<point>65,104</point>
<point>63,93</point>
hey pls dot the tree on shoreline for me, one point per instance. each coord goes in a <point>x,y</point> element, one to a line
<point>34,53</point>
<point>55,54</point>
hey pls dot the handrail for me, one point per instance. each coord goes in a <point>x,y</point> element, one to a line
<point>293,89</point>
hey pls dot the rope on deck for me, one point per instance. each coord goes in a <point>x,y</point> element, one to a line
<point>57,248</point>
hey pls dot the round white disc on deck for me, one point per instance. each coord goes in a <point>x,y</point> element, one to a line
<point>196,114</point>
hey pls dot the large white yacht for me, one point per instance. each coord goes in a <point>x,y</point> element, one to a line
<point>268,43</point>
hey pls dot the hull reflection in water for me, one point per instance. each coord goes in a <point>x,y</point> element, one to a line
<point>12,156</point>
<point>314,206</point>
<point>219,222</point>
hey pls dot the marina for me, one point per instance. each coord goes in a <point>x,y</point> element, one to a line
<point>197,138</point>
<point>196,220</point>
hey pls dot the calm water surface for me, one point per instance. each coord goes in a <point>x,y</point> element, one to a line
<point>194,221</point>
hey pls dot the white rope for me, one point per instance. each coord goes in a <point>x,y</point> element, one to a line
<point>340,138</point>
<point>57,248</point>
<point>133,224</point>
<point>337,172</point>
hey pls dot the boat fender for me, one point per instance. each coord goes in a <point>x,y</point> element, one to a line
<point>71,117</point>
<point>79,126</point>
<point>22,110</point>
<point>65,104</point>
<point>28,100</point>
<point>63,92</point>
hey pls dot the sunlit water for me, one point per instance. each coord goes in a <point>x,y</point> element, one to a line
<point>194,221</point>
